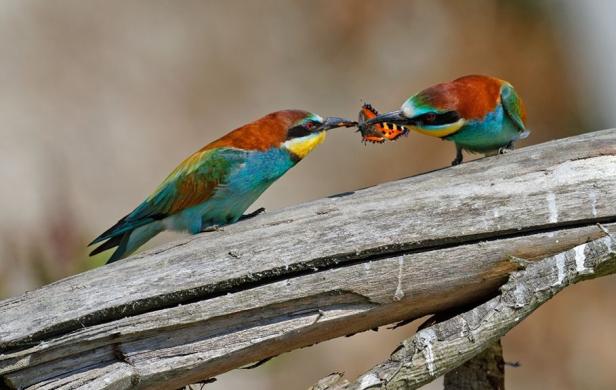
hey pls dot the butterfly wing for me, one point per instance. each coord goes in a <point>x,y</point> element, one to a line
<point>380,132</point>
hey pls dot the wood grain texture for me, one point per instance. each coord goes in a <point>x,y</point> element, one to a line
<point>196,308</point>
<point>446,345</point>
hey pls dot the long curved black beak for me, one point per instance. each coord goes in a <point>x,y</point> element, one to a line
<point>333,122</point>
<point>395,117</point>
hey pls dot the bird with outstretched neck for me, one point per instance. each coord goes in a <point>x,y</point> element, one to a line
<point>480,114</point>
<point>214,186</point>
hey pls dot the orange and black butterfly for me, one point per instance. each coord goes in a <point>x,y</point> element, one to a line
<point>380,132</point>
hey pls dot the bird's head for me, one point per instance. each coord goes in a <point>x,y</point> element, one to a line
<point>443,109</point>
<point>306,130</point>
<point>297,131</point>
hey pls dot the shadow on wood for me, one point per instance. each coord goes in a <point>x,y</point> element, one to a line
<point>485,371</point>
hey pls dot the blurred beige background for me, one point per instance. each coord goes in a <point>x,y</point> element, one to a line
<point>99,100</point>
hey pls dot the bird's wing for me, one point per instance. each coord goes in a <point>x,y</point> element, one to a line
<point>193,182</point>
<point>514,107</point>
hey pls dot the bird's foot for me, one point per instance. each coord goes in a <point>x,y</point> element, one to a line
<point>213,228</point>
<point>506,149</point>
<point>459,156</point>
<point>253,214</point>
<point>456,161</point>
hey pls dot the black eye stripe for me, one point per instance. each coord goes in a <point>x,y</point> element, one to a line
<point>298,131</point>
<point>434,119</point>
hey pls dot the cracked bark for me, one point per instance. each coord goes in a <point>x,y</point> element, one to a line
<point>456,342</point>
<point>196,308</point>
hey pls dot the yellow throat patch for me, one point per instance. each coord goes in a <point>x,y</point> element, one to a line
<point>304,145</point>
<point>442,132</point>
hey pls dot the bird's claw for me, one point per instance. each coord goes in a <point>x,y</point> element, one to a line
<point>459,156</point>
<point>253,214</point>
<point>506,149</point>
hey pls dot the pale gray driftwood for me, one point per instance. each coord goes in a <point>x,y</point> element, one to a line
<point>196,308</point>
<point>440,348</point>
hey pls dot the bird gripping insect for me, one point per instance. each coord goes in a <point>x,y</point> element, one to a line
<point>379,132</point>
<point>480,114</point>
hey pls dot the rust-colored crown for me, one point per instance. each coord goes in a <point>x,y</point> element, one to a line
<point>262,134</point>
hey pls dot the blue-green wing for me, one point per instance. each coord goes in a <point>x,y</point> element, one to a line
<point>193,182</point>
<point>514,107</point>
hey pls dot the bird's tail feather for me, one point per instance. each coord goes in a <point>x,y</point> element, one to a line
<point>128,242</point>
<point>122,226</point>
<point>110,243</point>
<point>122,248</point>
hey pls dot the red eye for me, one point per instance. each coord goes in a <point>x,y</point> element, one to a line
<point>431,117</point>
<point>309,125</point>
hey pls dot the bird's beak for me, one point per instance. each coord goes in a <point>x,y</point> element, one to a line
<point>333,122</point>
<point>395,117</point>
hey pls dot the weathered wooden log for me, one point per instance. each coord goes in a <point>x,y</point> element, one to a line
<point>196,308</point>
<point>446,346</point>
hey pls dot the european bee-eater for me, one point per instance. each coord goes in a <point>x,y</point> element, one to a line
<point>215,185</point>
<point>478,113</point>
